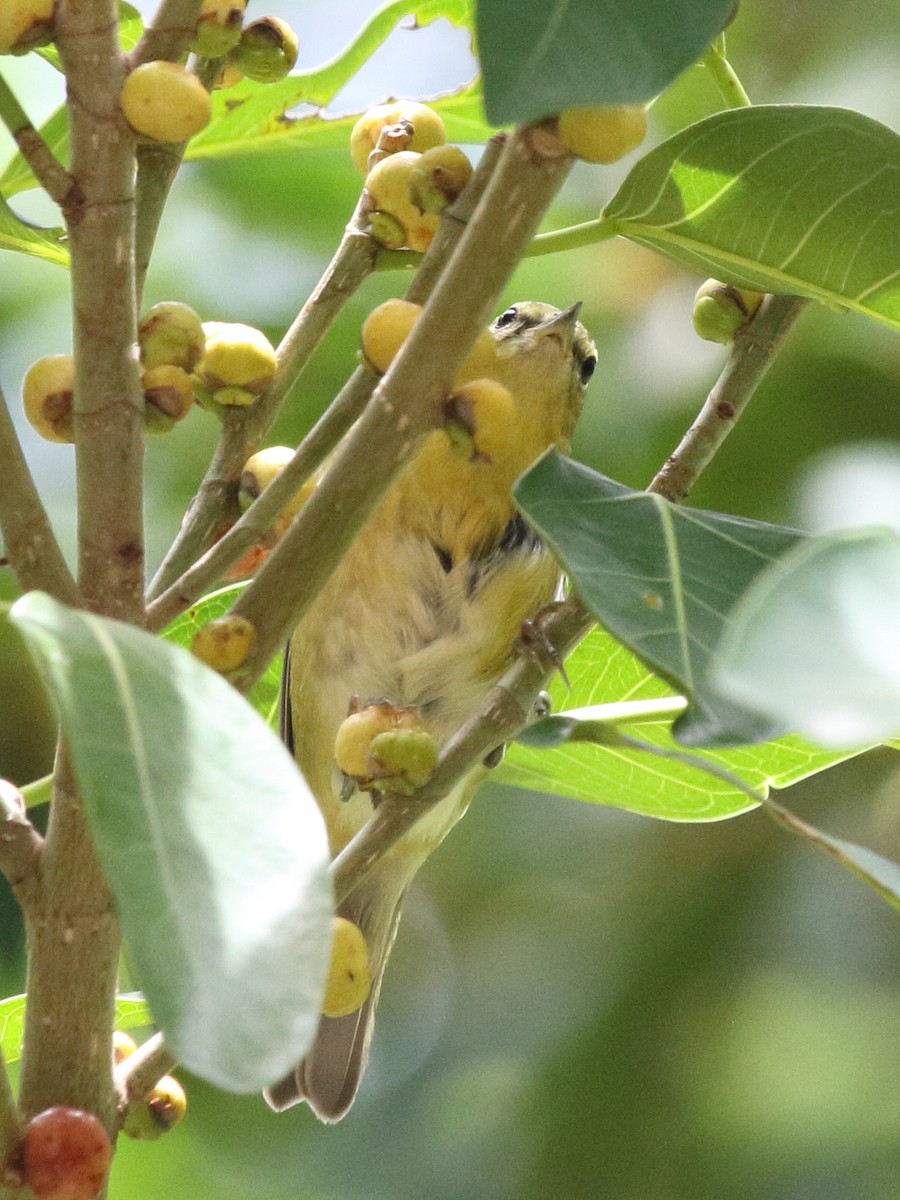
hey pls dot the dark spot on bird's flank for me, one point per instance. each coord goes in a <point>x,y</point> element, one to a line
<point>445,558</point>
<point>518,535</point>
<point>130,552</point>
<point>725,411</point>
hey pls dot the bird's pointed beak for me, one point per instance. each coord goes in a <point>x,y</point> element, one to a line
<point>562,325</point>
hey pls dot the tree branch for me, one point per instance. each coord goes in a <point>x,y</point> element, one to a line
<point>330,428</point>
<point>72,936</point>
<point>244,429</point>
<point>755,346</point>
<point>408,401</point>
<point>109,406</point>
<point>168,33</point>
<point>49,172</point>
<point>20,847</point>
<point>28,537</point>
<point>138,1074</point>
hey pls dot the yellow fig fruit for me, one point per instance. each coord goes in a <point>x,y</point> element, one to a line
<point>605,133</point>
<point>165,101</point>
<point>170,333</point>
<point>427,129</point>
<point>438,178</point>
<point>47,396</point>
<point>349,978</point>
<point>223,643</point>
<point>388,187</point>
<point>385,330</point>
<point>25,25</point>
<point>236,356</point>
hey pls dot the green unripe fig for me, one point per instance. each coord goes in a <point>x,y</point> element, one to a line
<point>161,1111</point>
<point>267,50</point>
<point>721,310</point>
<point>403,759</point>
<point>171,334</point>
<point>168,397</point>
<point>218,27</point>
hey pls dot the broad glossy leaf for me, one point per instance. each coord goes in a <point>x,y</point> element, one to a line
<point>265,695</point>
<point>542,58</point>
<point>781,198</point>
<point>19,235</point>
<point>210,839</point>
<point>603,672</point>
<point>815,642</point>
<point>132,1012</point>
<point>255,126</point>
<point>659,576</point>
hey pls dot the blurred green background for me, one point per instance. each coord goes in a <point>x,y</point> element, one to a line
<point>581,1003</point>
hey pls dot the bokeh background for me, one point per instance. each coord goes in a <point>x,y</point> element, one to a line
<point>582,1003</point>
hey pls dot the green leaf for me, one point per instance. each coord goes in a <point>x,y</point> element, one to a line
<point>815,642</point>
<point>791,199</point>
<point>539,59</point>
<point>603,673</point>
<point>266,693</point>
<point>659,576</point>
<point>21,236</point>
<point>255,126</point>
<point>210,839</point>
<point>251,117</point>
<point>879,873</point>
<point>18,176</point>
<point>132,1012</point>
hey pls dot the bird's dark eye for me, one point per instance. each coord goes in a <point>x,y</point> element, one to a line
<point>506,318</point>
<point>587,367</point>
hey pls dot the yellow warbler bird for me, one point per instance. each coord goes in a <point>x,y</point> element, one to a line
<point>423,612</point>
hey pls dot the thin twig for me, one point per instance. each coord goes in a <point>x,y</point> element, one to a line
<point>168,33</point>
<point>48,170</point>
<point>138,1074</point>
<point>724,76</point>
<point>755,346</point>
<point>243,430</point>
<point>28,538</point>
<point>408,401</point>
<point>258,518</point>
<point>20,847</point>
<point>331,427</point>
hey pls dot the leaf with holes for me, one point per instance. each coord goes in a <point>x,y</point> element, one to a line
<point>780,198</point>
<point>211,841</point>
